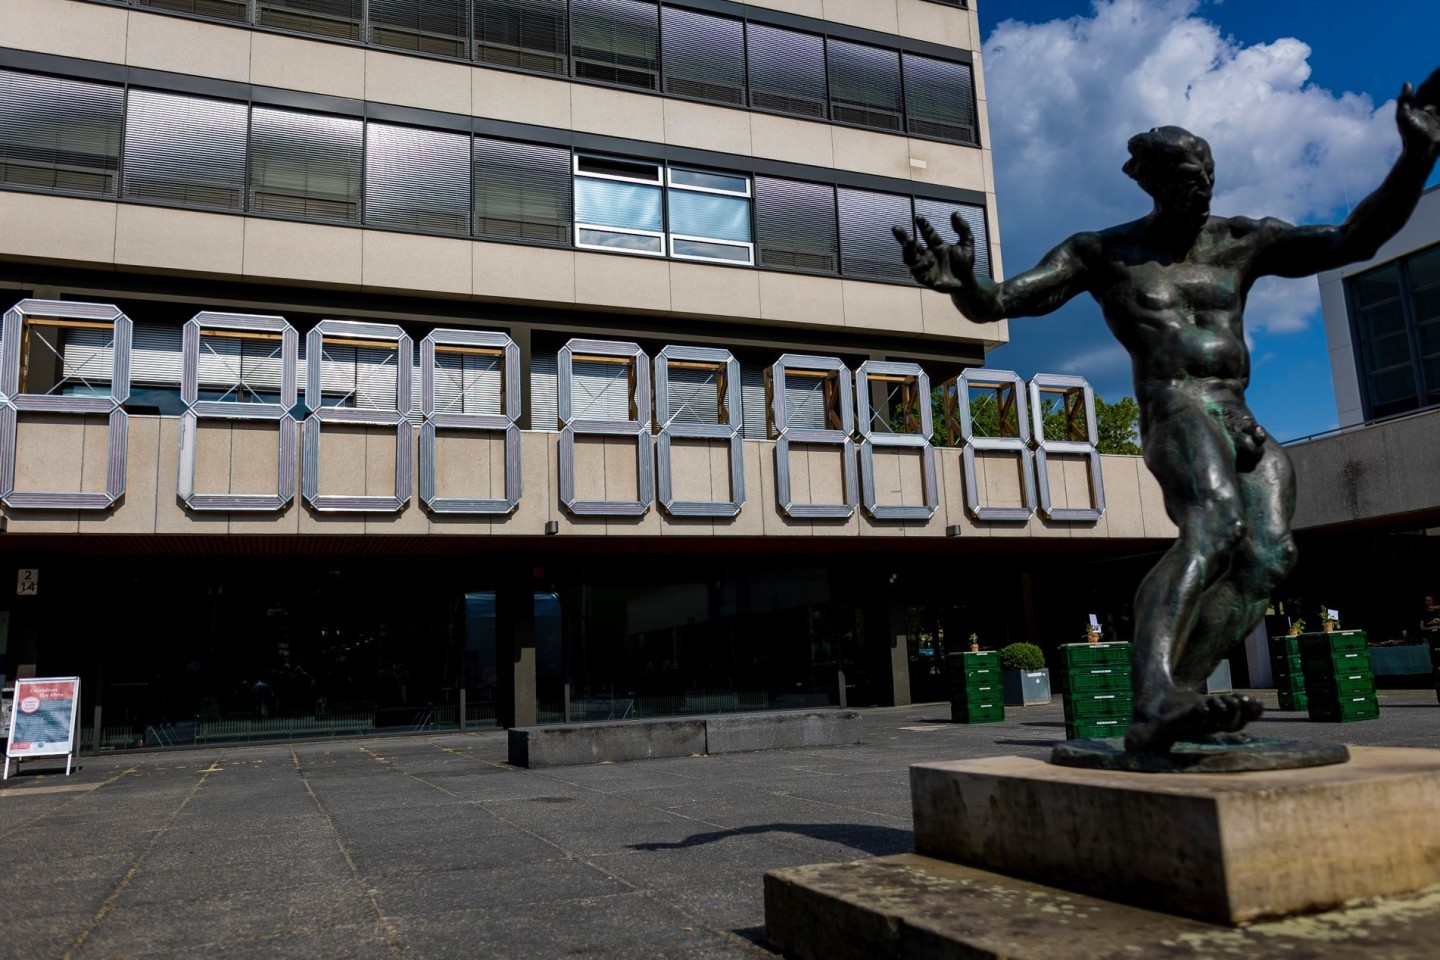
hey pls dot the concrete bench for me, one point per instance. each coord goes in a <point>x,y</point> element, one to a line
<point>570,744</point>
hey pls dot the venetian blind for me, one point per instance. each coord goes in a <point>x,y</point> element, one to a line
<point>787,70</point>
<point>188,150</point>
<point>939,99</point>
<point>867,247</point>
<point>795,225</point>
<point>530,34</point>
<point>704,56</point>
<point>61,135</point>
<point>305,165</point>
<point>522,191</point>
<point>417,179</point>
<point>616,41</point>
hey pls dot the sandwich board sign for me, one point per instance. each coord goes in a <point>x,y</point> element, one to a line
<point>42,720</point>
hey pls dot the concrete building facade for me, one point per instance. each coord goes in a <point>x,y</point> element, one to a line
<point>402,363</point>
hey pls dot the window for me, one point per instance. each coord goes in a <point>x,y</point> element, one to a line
<point>621,204</point>
<point>417,179</point>
<point>618,205</point>
<point>61,135</point>
<point>305,165</point>
<point>940,99</point>
<point>795,225</point>
<point>530,34</point>
<point>787,71</point>
<point>704,56</point>
<point>427,26</point>
<point>188,150</point>
<point>709,215</point>
<point>218,9</point>
<point>938,213</point>
<point>864,84</point>
<point>326,18</point>
<point>522,191</point>
<point>1396,317</point>
<point>616,41</point>
<point>867,247</point>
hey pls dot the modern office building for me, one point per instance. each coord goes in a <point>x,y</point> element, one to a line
<point>1369,502</point>
<point>406,363</point>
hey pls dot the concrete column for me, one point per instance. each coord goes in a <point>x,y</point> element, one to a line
<point>899,652</point>
<point>515,647</point>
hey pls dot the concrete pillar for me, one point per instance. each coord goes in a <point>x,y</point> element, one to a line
<point>515,647</point>
<point>899,652</point>
<point>521,336</point>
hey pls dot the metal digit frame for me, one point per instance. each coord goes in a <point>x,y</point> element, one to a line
<point>505,422</point>
<point>779,414</point>
<point>997,380</point>
<point>241,326</point>
<point>1041,384</point>
<point>13,402</point>
<point>887,371</point>
<point>671,427</point>
<point>378,335</point>
<point>637,426</point>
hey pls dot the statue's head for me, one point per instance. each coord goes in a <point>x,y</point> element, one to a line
<point>1175,167</point>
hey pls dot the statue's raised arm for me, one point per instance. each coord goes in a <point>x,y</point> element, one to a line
<point>950,268</point>
<point>1291,251</point>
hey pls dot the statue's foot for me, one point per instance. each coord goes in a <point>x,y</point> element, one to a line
<point>1185,715</point>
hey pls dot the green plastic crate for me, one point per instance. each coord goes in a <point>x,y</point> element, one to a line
<point>1346,710</point>
<point>1284,646</point>
<point>1342,686</point>
<point>961,668</point>
<point>1294,683</point>
<point>1349,661</point>
<point>1285,663</point>
<point>1081,655</point>
<point>963,712</point>
<point>1085,730</point>
<point>1339,641</point>
<point>1298,701</point>
<point>1098,705</point>
<point>1101,680</point>
<point>989,692</point>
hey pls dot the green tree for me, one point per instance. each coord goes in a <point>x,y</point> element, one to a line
<point>1117,424</point>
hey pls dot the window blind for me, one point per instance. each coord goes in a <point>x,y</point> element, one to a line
<point>795,225</point>
<point>938,213</point>
<point>787,70</point>
<point>530,34</point>
<point>616,41</point>
<point>305,165</point>
<point>940,99</point>
<point>427,26</point>
<point>704,56</point>
<point>864,84</point>
<point>417,179</point>
<point>522,191</point>
<point>326,18</point>
<point>188,150</point>
<point>237,10</point>
<point>59,134</point>
<point>867,247</point>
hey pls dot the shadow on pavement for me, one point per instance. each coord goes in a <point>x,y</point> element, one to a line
<point>876,841</point>
<point>1029,743</point>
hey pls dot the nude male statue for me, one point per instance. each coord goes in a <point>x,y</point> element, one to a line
<point>1172,287</point>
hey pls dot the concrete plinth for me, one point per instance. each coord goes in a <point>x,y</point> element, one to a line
<point>1227,848</point>
<point>912,907</point>
<point>558,745</point>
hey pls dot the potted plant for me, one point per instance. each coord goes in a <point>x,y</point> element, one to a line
<point>1327,622</point>
<point>1297,626</point>
<point>1023,676</point>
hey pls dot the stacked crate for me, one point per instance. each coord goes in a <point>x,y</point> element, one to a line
<point>1289,677</point>
<point>1099,693</point>
<point>1338,680</point>
<point>975,693</point>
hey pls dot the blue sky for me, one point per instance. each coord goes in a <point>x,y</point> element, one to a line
<point>1296,98</point>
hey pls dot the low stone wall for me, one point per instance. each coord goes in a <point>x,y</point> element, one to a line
<point>571,744</point>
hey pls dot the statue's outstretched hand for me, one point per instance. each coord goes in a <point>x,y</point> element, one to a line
<point>942,266</point>
<point>1418,114</point>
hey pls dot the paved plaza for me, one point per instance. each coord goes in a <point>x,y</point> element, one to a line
<point>433,846</point>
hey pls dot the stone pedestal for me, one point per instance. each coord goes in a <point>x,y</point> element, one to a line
<point>1019,858</point>
<point>1227,848</point>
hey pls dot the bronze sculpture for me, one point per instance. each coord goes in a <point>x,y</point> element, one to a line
<point>1172,287</point>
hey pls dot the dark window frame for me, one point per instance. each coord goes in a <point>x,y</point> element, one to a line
<point>1421,394</point>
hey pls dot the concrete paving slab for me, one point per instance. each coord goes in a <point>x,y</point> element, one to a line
<point>394,821</point>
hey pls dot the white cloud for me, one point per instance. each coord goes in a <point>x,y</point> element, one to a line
<point>1066,95</point>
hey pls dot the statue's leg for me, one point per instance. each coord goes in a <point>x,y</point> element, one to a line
<point>1232,607</point>
<point>1194,463</point>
